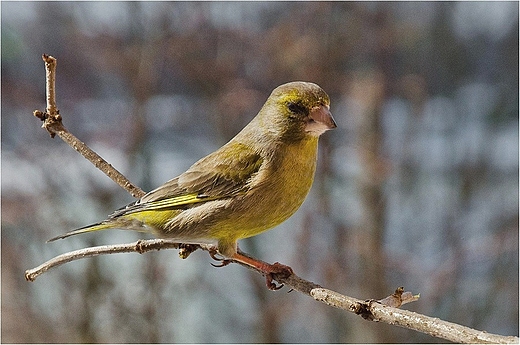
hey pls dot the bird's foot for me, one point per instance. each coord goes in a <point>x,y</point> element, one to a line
<point>215,255</point>
<point>271,272</point>
<point>277,270</point>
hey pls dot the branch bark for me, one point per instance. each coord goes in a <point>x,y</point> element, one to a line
<point>139,247</point>
<point>375,311</point>
<point>52,122</point>
<point>385,310</point>
<point>372,310</point>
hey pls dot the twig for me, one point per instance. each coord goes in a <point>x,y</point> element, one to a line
<point>52,122</point>
<point>375,311</point>
<point>371,310</point>
<point>141,246</point>
<point>50,85</point>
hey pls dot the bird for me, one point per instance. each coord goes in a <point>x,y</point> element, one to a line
<point>251,184</point>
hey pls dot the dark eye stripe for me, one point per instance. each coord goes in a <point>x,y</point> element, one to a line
<point>296,108</point>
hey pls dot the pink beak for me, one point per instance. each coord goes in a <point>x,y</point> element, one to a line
<point>321,120</point>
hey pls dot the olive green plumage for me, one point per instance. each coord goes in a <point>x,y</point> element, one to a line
<point>251,184</point>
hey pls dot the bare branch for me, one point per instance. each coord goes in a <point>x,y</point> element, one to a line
<point>141,246</point>
<point>375,311</point>
<point>52,122</point>
<point>50,85</point>
<point>371,310</point>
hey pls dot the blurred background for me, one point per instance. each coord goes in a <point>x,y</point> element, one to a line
<point>417,187</point>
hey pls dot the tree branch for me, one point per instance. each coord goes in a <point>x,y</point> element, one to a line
<point>52,122</point>
<point>141,246</point>
<point>376,311</point>
<point>384,310</point>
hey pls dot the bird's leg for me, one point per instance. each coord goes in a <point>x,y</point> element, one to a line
<point>268,270</point>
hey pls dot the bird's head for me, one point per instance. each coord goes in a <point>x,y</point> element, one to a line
<point>296,110</point>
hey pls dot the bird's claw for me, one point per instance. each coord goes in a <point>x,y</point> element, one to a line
<point>216,256</point>
<point>281,271</point>
<point>270,284</point>
<point>223,262</point>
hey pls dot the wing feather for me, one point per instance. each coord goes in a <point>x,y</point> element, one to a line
<point>223,174</point>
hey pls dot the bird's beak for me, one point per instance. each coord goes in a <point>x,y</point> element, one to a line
<point>320,120</point>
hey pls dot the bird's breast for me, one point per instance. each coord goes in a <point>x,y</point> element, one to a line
<point>279,188</point>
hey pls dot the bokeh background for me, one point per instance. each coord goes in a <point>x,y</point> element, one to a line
<point>417,187</point>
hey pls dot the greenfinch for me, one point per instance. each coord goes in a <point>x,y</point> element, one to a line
<point>251,184</point>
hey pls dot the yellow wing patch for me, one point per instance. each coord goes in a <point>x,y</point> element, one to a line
<point>170,203</point>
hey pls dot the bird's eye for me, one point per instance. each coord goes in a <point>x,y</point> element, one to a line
<point>296,108</point>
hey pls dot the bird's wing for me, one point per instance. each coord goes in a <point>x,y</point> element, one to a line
<point>225,173</point>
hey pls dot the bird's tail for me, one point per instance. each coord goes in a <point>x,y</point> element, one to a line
<point>88,228</point>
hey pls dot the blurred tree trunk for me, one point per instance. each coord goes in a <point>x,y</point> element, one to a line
<point>368,91</point>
